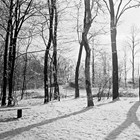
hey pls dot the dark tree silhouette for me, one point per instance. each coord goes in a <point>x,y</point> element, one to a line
<point>116,11</point>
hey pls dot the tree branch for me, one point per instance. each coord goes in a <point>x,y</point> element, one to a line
<point>118,9</point>
<point>107,6</point>
<point>126,8</point>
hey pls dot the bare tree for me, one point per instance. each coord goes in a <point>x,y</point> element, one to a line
<point>52,41</point>
<point>139,88</point>
<point>18,13</point>
<point>133,42</point>
<point>79,55</point>
<point>116,10</point>
<point>46,83</point>
<point>102,72</point>
<point>18,19</point>
<point>55,75</point>
<point>125,58</point>
<point>25,66</point>
<point>93,63</point>
<point>3,103</point>
<point>91,35</point>
<point>88,19</point>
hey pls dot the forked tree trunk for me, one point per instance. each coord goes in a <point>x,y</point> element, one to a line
<point>87,25</point>
<point>46,81</point>
<point>87,71</point>
<point>14,30</point>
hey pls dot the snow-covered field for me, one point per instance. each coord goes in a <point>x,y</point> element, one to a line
<point>70,119</point>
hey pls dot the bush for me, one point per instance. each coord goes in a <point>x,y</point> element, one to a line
<point>127,94</point>
<point>72,84</point>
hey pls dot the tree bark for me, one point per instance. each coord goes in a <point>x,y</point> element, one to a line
<point>139,88</point>
<point>87,25</point>
<point>46,82</point>
<point>114,51</point>
<point>87,78</point>
<point>77,94</point>
<point>56,88</point>
<point>18,21</point>
<point>3,103</point>
<point>24,74</point>
<point>125,68</point>
<point>50,77</point>
<point>93,66</point>
<point>133,65</point>
<point>11,72</point>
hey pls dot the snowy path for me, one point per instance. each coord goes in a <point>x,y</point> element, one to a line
<point>69,119</point>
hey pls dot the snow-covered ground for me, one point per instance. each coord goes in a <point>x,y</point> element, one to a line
<point>70,119</point>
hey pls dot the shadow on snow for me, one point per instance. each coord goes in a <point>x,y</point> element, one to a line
<point>18,131</point>
<point>131,118</point>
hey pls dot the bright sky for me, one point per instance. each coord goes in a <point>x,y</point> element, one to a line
<point>129,18</point>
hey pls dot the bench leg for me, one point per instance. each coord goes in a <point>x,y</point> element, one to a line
<point>19,113</point>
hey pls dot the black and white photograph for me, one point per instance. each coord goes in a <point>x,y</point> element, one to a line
<point>69,69</point>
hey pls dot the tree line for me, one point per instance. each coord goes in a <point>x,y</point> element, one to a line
<point>21,21</point>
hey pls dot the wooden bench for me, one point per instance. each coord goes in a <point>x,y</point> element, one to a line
<point>19,110</point>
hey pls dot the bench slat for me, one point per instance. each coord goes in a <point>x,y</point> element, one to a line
<point>12,108</point>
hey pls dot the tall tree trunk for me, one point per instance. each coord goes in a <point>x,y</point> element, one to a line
<point>9,70</point>
<point>50,77</point>
<point>15,28</point>
<point>93,66</point>
<point>46,84</point>
<point>125,71</point>
<point>24,76</point>
<point>87,72</point>
<point>133,66</point>
<point>139,88</point>
<point>5,55</point>
<point>11,73</point>
<point>77,71</point>
<point>114,63</point>
<point>25,70</point>
<point>87,25</point>
<point>10,64</point>
<point>87,78</point>
<point>113,32</point>
<point>56,88</point>
<point>4,84</point>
